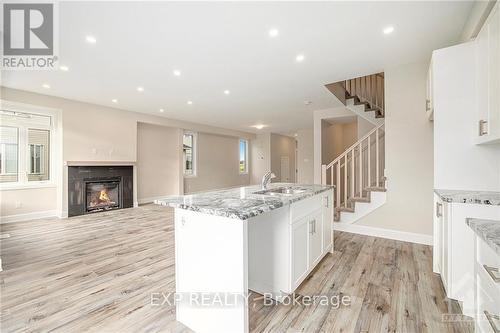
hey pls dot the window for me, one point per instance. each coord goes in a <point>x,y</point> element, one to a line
<point>243,156</point>
<point>24,148</point>
<point>38,154</point>
<point>9,140</point>
<point>189,154</point>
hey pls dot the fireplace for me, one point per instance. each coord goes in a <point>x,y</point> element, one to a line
<point>102,195</point>
<point>93,189</point>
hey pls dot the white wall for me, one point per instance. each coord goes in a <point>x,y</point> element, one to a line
<point>305,156</point>
<point>260,157</point>
<point>364,126</point>
<point>217,164</point>
<point>409,154</point>
<point>282,146</point>
<point>458,162</point>
<point>159,162</point>
<point>319,115</point>
<point>336,138</point>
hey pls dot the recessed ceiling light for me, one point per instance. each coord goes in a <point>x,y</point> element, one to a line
<point>177,72</point>
<point>114,100</point>
<point>161,110</point>
<point>190,102</point>
<point>91,39</point>
<point>259,126</point>
<point>295,135</point>
<point>226,92</point>
<point>274,33</point>
<point>140,89</point>
<point>46,85</point>
<point>64,68</point>
<point>388,30</point>
<point>299,58</point>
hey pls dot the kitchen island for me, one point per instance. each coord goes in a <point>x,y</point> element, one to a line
<point>230,241</point>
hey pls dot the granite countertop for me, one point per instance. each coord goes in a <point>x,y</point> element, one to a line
<point>488,230</point>
<point>471,197</point>
<point>241,202</point>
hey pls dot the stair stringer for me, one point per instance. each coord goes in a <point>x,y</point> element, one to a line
<point>360,111</point>
<point>377,199</point>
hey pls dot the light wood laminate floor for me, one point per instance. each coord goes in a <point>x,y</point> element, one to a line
<point>97,273</point>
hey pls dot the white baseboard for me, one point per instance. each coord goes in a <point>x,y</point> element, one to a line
<point>28,216</point>
<point>384,233</point>
<point>149,200</point>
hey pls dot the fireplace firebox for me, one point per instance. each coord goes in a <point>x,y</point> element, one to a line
<point>94,189</point>
<point>102,195</point>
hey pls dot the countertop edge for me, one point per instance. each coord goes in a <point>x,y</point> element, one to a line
<point>472,223</point>
<point>235,214</point>
<point>471,197</point>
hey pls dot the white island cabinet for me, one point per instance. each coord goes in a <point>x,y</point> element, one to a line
<point>453,253</point>
<point>228,242</point>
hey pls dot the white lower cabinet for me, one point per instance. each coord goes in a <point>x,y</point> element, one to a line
<point>315,238</point>
<point>300,239</point>
<point>327,221</point>
<point>453,254</point>
<point>487,291</point>
<point>308,246</point>
<point>285,245</point>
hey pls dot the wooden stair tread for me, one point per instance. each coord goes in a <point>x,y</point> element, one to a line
<point>376,189</point>
<point>359,199</point>
<point>362,103</point>
<point>344,209</point>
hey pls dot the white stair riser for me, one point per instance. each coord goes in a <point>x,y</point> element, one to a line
<point>364,208</point>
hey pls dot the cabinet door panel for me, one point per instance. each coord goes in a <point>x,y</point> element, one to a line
<point>493,72</point>
<point>438,224</point>
<point>315,238</point>
<point>482,92</point>
<point>327,221</point>
<point>299,250</point>
<point>488,79</point>
<point>445,219</point>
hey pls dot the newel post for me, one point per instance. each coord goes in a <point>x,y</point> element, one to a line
<point>323,174</point>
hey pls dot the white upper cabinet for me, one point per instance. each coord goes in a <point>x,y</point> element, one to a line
<point>429,104</point>
<point>488,79</point>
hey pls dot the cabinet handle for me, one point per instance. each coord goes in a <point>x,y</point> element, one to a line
<point>493,272</point>
<point>491,319</point>
<point>483,129</point>
<point>427,105</point>
<point>311,231</point>
<point>327,202</point>
<point>439,211</point>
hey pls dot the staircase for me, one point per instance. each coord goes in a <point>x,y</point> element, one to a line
<point>362,95</point>
<point>358,175</point>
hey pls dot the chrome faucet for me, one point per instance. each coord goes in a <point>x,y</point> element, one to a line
<point>266,179</point>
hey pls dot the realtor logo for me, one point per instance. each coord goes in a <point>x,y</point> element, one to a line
<point>29,36</point>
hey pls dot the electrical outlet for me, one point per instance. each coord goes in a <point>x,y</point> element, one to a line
<point>18,204</point>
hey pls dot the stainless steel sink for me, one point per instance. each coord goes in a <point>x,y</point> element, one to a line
<point>281,191</point>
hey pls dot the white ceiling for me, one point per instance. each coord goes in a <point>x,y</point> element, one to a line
<point>226,45</point>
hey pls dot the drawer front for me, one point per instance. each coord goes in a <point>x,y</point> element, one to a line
<point>486,256</point>
<point>488,303</point>
<point>305,207</point>
<point>487,268</point>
